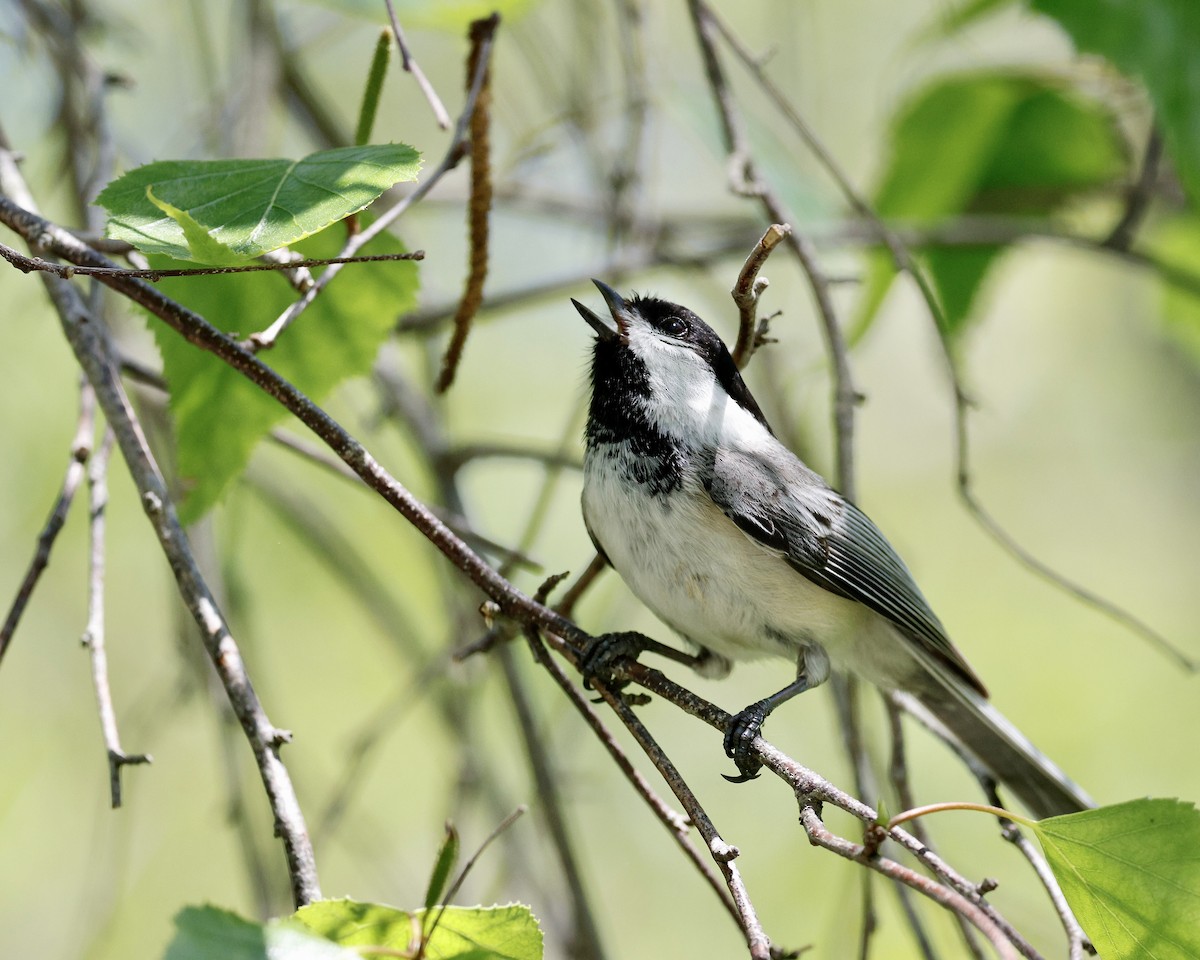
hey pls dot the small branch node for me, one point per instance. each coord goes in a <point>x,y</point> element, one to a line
<point>723,852</point>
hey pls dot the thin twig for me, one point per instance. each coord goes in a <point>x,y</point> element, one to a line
<point>1077,941</point>
<point>676,823</point>
<point>410,65</point>
<point>93,634</point>
<point>81,450</point>
<point>722,853</point>
<point>626,177</point>
<point>820,836</point>
<point>67,271</point>
<point>454,154</point>
<point>586,943</point>
<point>898,774</point>
<point>905,262</point>
<point>479,206</point>
<point>749,288</point>
<point>745,180</point>
<point>88,340</point>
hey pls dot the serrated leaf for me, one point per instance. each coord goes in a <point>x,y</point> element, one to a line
<point>206,933</point>
<point>480,933</point>
<point>219,415</point>
<point>1155,41</point>
<point>354,923</point>
<point>203,247</point>
<point>446,858</point>
<point>1131,873</point>
<point>251,206</point>
<point>992,142</point>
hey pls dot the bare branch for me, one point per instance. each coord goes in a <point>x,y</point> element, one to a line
<point>951,899</point>
<point>745,180</point>
<point>677,824</point>
<point>81,450</point>
<point>88,340</point>
<point>93,634</point>
<point>905,262</point>
<point>747,290</point>
<point>67,271</point>
<point>410,65</point>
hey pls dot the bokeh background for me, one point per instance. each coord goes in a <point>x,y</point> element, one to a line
<point>1086,439</point>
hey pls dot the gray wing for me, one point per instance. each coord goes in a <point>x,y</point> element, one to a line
<point>783,505</point>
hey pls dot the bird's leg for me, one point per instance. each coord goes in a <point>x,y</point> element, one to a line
<point>812,669</point>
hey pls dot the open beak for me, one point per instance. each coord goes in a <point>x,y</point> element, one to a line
<point>616,306</point>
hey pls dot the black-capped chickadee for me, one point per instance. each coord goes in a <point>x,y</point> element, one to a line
<point>744,551</point>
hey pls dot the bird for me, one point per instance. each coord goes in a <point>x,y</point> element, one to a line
<point>745,552</point>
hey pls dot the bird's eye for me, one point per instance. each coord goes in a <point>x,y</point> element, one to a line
<point>674,326</point>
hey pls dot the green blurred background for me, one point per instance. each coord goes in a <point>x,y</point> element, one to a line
<point>1085,438</point>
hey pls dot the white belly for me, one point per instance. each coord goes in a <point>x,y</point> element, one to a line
<point>722,590</point>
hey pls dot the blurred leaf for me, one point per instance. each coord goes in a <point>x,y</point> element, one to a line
<point>250,206</point>
<point>479,933</point>
<point>219,415</point>
<point>995,143</point>
<point>446,858</point>
<point>963,15</point>
<point>206,933</point>
<point>1156,41</point>
<point>1177,243</point>
<point>451,15</point>
<point>1131,873</point>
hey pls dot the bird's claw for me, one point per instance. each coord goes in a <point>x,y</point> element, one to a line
<point>739,742</point>
<point>605,650</point>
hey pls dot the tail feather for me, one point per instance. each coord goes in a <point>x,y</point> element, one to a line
<point>967,719</point>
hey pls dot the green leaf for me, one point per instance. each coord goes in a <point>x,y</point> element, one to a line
<point>1156,41</point>
<point>1176,242</point>
<point>446,858</point>
<point>986,143</point>
<point>250,207</point>
<point>479,933</point>
<point>1131,873</point>
<point>219,415</point>
<point>956,18</point>
<point>206,933</point>
<point>202,246</point>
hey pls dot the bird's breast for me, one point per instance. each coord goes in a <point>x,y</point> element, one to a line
<point>688,562</point>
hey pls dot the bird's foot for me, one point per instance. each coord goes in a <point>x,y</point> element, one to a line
<point>604,652</point>
<point>739,741</point>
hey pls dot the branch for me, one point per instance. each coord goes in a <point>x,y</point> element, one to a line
<point>409,63</point>
<point>93,634</point>
<point>67,271</point>
<point>81,450</point>
<point>88,339</point>
<point>744,180</point>
<point>906,263</point>
<point>747,290</point>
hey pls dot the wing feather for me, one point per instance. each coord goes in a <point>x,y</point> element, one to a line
<point>780,503</point>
